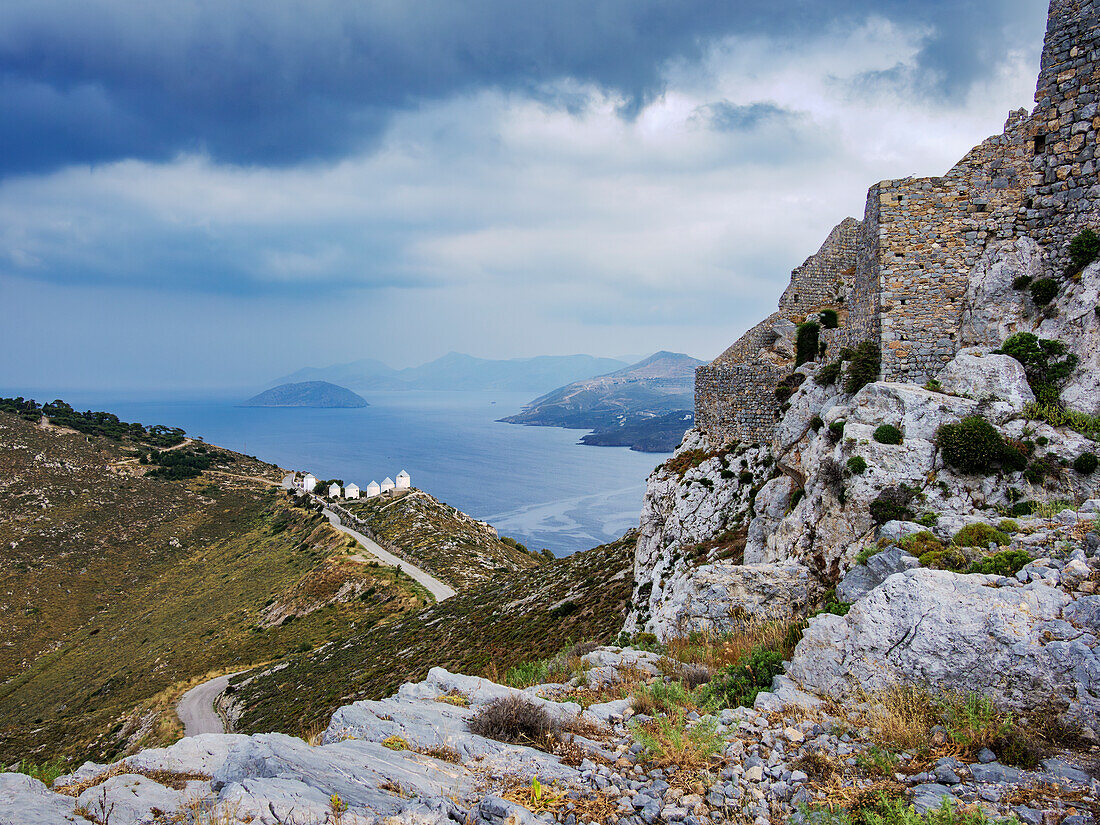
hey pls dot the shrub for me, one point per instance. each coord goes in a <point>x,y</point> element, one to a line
<point>972,445</point>
<point>828,373</point>
<point>831,475</point>
<point>928,520</point>
<point>1046,364</point>
<point>1021,282</point>
<point>660,697</point>
<point>865,554</point>
<point>669,740</point>
<point>515,720</point>
<point>836,430</point>
<point>738,685</point>
<point>816,423</point>
<point>979,535</point>
<point>829,318</point>
<point>806,340</point>
<point>949,558</point>
<point>1001,563</point>
<point>864,367</point>
<point>395,743</point>
<point>1083,250</point>
<point>888,434</point>
<point>745,477</point>
<point>892,504</point>
<point>921,543</point>
<point>857,465</point>
<point>783,392</point>
<point>1085,463</point>
<point>1008,526</point>
<point>1043,291</point>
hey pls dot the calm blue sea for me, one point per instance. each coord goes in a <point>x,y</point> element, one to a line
<point>536,484</point>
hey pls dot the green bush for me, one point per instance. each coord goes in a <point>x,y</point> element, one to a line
<point>816,423</point>
<point>783,392</point>
<point>888,434</point>
<point>1085,463</point>
<point>738,685</point>
<point>829,318</point>
<point>864,367</point>
<point>1021,282</point>
<point>865,554</point>
<point>806,340</point>
<point>857,465</point>
<point>828,374</point>
<point>979,535</point>
<point>892,504</point>
<point>1043,291</point>
<point>1046,364</point>
<point>1083,250</point>
<point>949,558</point>
<point>1008,526</point>
<point>836,429</point>
<point>921,543</point>
<point>928,520</point>
<point>1001,563</point>
<point>972,445</point>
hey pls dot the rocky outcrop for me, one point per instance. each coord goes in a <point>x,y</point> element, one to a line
<point>1022,645</point>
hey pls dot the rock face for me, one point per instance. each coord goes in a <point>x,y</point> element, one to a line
<point>1020,644</point>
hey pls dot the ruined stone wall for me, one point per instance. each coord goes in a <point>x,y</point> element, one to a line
<point>736,402</point>
<point>930,233</point>
<point>821,281</point>
<point>898,277</point>
<point>1066,194</point>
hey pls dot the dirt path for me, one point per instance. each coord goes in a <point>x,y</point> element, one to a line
<point>434,586</point>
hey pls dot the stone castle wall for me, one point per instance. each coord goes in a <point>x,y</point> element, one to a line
<point>1066,195</point>
<point>898,277</point>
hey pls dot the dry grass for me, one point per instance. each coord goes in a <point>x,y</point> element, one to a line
<point>716,651</point>
<point>176,780</point>
<point>459,700</point>
<point>443,753</point>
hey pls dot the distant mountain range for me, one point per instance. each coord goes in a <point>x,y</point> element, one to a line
<point>307,394</point>
<point>456,371</point>
<point>647,406</point>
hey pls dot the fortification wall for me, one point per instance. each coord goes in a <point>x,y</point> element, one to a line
<point>736,402</point>
<point>930,233</point>
<point>899,276</point>
<point>1066,194</point>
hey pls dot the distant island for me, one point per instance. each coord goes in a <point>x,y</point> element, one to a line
<point>646,406</point>
<point>307,394</point>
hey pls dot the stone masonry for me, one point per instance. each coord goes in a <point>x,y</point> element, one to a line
<point>898,277</point>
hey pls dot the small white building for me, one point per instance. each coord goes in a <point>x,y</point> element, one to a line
<point>387,485</point>
<point>334,491</point>
<point>404,481</point>
<point>373,489</point>
<point>309,481</point>
<point>351,491</point>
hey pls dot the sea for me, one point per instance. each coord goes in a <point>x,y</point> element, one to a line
<point>535,484</point>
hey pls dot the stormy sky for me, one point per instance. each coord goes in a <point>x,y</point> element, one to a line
<point>201,193</point>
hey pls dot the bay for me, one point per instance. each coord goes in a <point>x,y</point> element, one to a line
<point>535,484</point>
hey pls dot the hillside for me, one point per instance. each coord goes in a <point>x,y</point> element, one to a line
<point>450,545</point>
<point>456,371</point>
<point>307,394</point>
<point>124,579</point>
<point>517,616</point>
<point>640,406</point>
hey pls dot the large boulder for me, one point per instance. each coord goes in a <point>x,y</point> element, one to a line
<point>725,597</point>
<point>863,578</point>
<point>1078,326</point>
<point>992,309</point>
<point>980,374</point>
<point>954,632</point>
<point>26,801</point>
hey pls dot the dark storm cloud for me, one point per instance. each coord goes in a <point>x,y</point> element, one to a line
<point>278,83</point>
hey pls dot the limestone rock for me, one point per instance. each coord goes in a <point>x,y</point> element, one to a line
<point>26,801</point>
<point>954,632</point>
<point>992,309</point>
<point>862,579</point>
<point>726,597</point>
<point>978,373</point>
